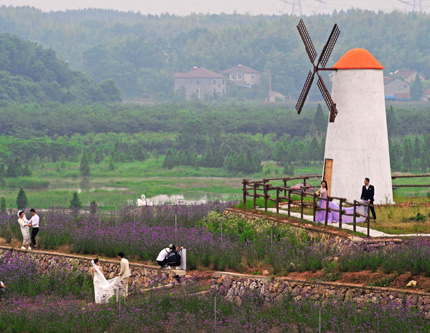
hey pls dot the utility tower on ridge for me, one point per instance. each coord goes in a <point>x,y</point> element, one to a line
<point>413,5</point>
<point>296,6</point>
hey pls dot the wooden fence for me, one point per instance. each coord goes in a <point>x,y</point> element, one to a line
<point>283,194</point>
<point>410,176</point>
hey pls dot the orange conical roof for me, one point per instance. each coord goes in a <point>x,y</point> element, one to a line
<point>358,59</point>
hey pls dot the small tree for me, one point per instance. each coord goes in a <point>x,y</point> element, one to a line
<point>417,89</point>
<point>21,199</point>
<point>111,165</point>
<point>93,207</point>
<point>75,203</point>
<point>3,205</point>
<point>85,166</point>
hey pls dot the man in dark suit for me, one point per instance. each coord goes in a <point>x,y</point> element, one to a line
<point>368,194</point>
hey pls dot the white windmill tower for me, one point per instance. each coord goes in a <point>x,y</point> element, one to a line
<point>357,142</point>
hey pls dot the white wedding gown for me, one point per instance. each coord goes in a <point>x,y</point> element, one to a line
<point>103,289</point>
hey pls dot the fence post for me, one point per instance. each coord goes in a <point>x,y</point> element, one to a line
<point>326,210</point>
<point>277,200</point>
<point>266,195</point>
<point>314,206</point>
<point>244,193</point>
<point>255,195</point>
<point>289,202</point>
<point>285,185</point>
<point>340,214</point>
<point>304,183</point>
<point>301,205</point>
<point>354,219</point>
<point>368,220</point>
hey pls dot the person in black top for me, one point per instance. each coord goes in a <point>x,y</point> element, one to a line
<point>368,194</point>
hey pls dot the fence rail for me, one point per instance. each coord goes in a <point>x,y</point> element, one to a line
<point>410,185</point>
<point>283,194</point>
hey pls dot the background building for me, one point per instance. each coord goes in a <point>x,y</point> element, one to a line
<point>200,82</point>
<point>243,75</point>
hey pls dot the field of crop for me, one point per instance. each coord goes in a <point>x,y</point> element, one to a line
<point>44,301</point>
<point>214,241</point>
<point>40,301</point>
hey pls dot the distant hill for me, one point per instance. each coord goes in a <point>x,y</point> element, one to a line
<point>142,53</point>
<point>29,73</point>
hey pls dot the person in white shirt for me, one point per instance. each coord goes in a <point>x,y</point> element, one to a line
<point>124,276</point>
<point>2,288</point>
<point>34,223</point>
<point>25,230</point>
<point>161,259</point>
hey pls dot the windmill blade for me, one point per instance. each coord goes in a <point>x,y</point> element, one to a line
<point>305,92</point>
<point>327,98</point>
<point>309,46</point>
<point>328,47</point>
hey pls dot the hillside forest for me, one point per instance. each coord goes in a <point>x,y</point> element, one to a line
<point>141,53</point>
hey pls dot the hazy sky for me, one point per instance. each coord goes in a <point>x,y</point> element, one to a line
<point>184,7</point>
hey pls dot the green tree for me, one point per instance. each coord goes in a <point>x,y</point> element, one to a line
<point>93,207</point>
<point>170,160</point>
<point>75,203</point>
<point>3,205</point>
<point>111,90</point>
<point>417,148</point>
<point>319,123</point>
<point>417,89</point>
<point>111,165</point>
<point>85,166</point>
<point>21,199</point>
<point>391,122</point>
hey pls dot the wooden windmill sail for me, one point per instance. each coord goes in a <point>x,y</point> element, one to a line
<point>320,65</point>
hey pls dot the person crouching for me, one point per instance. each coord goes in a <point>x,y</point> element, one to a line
<point>162,256</point>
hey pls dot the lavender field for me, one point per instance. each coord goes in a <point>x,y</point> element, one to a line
<point>46,301</point>
<point>215,241</point>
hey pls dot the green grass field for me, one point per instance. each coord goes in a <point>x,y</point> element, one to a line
<point>52,184</point>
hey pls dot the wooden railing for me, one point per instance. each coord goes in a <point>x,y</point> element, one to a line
<point>283,194</point>
<point>410,185</point>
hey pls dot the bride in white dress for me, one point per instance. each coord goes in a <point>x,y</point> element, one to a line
<point>103,289</point>
<point>25,230</point>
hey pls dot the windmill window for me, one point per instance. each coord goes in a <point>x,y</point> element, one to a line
<point>222,81</point>
<point>239,77</point>
<point>198,82</point>
<point>252,76</point>
<point>214,81</point>
<point>232,77</point>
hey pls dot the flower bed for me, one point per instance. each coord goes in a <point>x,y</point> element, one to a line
<point>218,242</point>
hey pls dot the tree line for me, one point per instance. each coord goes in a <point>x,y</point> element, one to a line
<point>29,73</point>
<point>55,120</point>
<point>142,52</point>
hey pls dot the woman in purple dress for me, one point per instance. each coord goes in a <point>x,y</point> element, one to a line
<point>333,214</point>
<point>320,216</point>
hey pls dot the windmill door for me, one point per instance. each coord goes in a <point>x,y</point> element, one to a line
<point>328,171</point>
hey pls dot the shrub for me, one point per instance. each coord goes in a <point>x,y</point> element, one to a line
<point>21,200</point>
